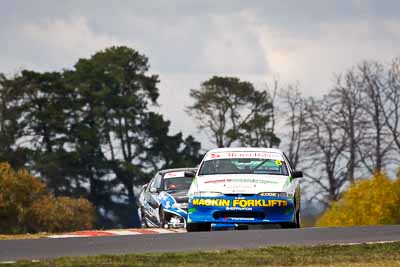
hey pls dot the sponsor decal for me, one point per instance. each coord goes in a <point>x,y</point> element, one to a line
<point>238,155</point>
<point>238,208</point>
<point>215,155</point>
<point>217,181</point>
<point>211,202</point>
<point>242,203</point>
<point>174,174</point>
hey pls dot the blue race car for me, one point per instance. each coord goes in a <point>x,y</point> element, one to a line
<point>164,200</point>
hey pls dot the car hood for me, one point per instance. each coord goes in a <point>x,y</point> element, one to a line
<point>242,183</point>
<point>180,196</point>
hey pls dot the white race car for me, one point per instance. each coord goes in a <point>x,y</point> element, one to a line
<point>237,187</point>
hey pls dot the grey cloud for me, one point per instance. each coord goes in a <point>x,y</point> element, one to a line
<point>188,41</point>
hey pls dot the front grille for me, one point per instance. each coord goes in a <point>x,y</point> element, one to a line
<point>182,199</point>
<point>238,214</point>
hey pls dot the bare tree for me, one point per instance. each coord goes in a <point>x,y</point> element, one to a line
<point>391,106</point>
<point>352,131</point>
<point>324,146</point>
<point>349,116</point>
<point>294,106</point>
<point>272,92</point>
<point>376,145</point>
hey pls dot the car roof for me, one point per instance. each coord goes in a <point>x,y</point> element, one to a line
<point>162,172</point>
<point>245,149</point>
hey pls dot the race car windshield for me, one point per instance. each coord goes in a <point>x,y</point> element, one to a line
<point>180,183</point>
<point>244,165</point>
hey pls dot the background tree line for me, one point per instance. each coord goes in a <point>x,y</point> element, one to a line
<point>351,132</point>
<point>90,131</point>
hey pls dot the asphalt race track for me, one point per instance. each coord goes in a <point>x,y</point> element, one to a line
<point>11,250</point>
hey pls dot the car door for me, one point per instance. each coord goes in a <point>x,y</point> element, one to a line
<point>141,204</point>
<point>296,183</point>
<point>151,201</point>
<point>147,209</point>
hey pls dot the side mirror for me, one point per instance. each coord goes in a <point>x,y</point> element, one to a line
<point>297,174</point>
<point>153,190</point>
<point>190,174</point>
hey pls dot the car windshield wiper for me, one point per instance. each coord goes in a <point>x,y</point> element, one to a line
<point>218,173</point>
<point>259,165</point>
<point>174,190</point>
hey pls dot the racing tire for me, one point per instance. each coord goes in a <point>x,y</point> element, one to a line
<point>295,224</point>
<point>143,222</point>
<point>162,217</point>
<point>198,227</point>
<point>298,219</point>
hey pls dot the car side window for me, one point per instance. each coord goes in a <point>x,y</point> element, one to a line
<point>157,181</point>
<point>148,186</point>
<point>151,184</point>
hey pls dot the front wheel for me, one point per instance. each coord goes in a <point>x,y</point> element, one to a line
<point>298,219</point>
<point>142,219</point>
<point>198,227</point>
<point>295,224</point>
<point>162,218</point>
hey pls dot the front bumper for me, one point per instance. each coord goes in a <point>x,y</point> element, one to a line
<point>241,210</point>
<point>176,217</point>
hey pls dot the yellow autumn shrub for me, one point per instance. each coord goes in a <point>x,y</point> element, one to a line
<point>61,214</point>
<point>372,201</point>
<point>27,206</point>
<point>18,190</point>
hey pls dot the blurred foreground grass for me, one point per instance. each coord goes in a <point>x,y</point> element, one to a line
<point>381,255</point>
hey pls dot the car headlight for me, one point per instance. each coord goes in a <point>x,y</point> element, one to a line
<point>207,194</point>
<point>180,205</point>
<point>273,194</point>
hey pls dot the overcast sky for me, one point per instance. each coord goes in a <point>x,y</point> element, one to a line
<point>189,41</point>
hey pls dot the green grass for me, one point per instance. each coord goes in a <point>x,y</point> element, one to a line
<point>356,255</point>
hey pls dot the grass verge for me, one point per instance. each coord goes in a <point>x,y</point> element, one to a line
<point>381,255</point>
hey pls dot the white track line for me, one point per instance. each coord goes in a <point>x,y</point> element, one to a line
<point>118,232</point>
<point>64,236</point>
<point>367,243</point>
